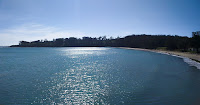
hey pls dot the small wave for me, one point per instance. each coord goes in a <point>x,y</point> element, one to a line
<point>185,59</point>
<point>191,62</point>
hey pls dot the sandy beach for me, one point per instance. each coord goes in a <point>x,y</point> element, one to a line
<point>195,57</point>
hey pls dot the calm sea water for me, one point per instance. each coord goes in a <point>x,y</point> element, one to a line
<point>95,76</point>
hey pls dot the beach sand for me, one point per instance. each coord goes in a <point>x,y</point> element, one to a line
<point>192,56</point>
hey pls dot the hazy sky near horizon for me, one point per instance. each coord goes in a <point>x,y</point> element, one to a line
<point>47,19</point>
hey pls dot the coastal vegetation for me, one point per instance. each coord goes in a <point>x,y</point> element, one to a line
<point>166,42</point>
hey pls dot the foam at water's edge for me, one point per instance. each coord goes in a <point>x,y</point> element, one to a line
<point>185,59</point>
<point>191,62</point>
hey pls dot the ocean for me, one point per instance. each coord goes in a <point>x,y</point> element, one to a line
<point>96,75</point>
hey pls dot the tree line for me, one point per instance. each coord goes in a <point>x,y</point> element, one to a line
<point>135,41</point>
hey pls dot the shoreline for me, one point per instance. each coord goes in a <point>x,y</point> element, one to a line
<point>191,59</point>
<point>195,57</point>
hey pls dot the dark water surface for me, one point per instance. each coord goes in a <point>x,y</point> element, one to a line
<point>95,76</point>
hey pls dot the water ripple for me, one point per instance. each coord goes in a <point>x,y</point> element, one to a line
<point>78,85</point>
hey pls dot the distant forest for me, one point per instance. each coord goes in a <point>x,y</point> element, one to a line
<point>135,41</point>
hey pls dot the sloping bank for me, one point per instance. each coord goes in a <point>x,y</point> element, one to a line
<point>191,59</point>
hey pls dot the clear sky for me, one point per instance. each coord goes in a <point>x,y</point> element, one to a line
<point>47,19</point>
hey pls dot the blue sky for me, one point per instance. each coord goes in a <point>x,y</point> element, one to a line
<point>47,19</point>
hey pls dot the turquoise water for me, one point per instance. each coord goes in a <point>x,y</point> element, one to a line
<point>95,76</point>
